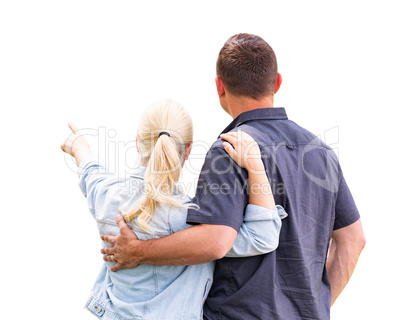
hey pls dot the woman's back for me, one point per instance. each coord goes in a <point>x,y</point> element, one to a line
<point>147,291</point>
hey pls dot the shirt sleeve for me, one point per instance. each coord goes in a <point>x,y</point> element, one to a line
<point>91,173</point>
<point>222,191</point>
<point>346,211</point>
<point>259,233</point>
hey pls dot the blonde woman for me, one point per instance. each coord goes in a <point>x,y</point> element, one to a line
<point>154,207</point>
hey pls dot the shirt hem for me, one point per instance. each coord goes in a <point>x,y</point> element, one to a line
<point>346,222</point>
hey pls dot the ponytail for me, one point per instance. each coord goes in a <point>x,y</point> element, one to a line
<point>164,163</point>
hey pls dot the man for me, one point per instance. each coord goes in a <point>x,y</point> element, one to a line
<point>296,281</point>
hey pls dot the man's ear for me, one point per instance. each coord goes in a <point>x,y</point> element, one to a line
<point>220,87</point>
<point>278,82</point>
<point>188,150</point>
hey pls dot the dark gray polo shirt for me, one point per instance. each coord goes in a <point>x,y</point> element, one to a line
<point>306,179</point>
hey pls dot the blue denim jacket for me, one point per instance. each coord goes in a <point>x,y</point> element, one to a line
<point>152,291</point>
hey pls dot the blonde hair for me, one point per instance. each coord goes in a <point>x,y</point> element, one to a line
<point>165,130</point>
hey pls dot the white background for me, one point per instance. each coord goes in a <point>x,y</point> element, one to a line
<point>99,63</point>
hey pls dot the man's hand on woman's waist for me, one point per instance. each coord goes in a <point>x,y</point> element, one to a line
<point>124,247</point>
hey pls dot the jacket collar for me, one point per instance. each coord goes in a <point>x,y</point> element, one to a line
<point>138,172</point>
<point>257,114</point>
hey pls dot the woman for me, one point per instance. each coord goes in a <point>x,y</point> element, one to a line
<point>152,203</point>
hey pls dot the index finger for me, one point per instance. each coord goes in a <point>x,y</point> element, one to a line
<point>73,128</point>
<point>240,134</point>
<point>230,138</point>
<point>233,133</point>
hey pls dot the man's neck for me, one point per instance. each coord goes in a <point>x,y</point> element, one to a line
<point>238,105</point>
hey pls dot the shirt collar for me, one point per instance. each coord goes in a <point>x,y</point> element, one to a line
<point>257,114</point>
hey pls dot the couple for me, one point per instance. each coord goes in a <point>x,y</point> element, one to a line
<point>234,219</point>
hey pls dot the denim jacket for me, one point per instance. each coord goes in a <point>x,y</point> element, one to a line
<point>158,292</point>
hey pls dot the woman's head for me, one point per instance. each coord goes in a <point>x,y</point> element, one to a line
<point>170,118</point>
<point>164,140</point>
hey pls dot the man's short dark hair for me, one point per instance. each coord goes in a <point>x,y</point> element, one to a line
<point>247,66</point>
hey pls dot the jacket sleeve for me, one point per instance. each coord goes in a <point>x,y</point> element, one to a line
<point>259,233</point>
<point>91,173</point>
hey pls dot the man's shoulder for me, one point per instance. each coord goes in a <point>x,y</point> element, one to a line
<point>280,132</point>
<point>217,147</point>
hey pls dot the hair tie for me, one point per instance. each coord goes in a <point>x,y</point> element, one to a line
<point>164,132</point>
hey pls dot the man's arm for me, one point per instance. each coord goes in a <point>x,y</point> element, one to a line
<point>345,248</point>
<point>199,244</point>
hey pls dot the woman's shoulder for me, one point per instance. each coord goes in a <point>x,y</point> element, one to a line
<point>166,220</point>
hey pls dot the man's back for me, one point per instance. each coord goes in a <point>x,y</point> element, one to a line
<point>291,282</point>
